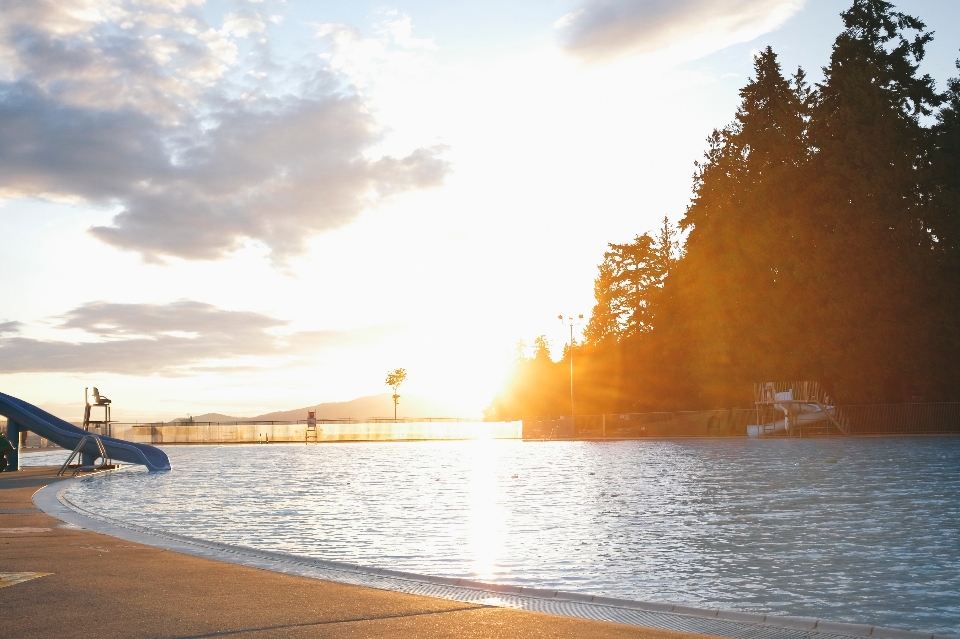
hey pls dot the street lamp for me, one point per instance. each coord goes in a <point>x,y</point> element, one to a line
<point>571,323</point>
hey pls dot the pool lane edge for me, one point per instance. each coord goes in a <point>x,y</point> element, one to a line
<point>653,614</point>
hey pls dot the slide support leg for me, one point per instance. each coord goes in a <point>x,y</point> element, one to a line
<point>86,461</point>
<point>13,434</point>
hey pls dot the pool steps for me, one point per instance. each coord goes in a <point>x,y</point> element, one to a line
<point>668,616</point>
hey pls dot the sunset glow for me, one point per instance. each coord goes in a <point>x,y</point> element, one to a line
<point>272,204</point>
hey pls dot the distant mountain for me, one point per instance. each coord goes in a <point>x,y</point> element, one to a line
<point>217,417</point>
<point>362,407</point>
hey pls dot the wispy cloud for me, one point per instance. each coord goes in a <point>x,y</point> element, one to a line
<point>143,105</point>
<point>177,338</point>
<point>604,29</point>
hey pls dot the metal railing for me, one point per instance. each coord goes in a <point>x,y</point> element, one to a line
<point>282,422</point>
<point>707,423</point>
<point>809,392</point>
<point>101,453</point>
<point>933,418</point>
<point>940,418</point>
<point>353,430</point>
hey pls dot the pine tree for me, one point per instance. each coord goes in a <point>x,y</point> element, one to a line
<point>822,242</point>
<point>944,225</point>
<point>945,175</point>
<point>729,301</point>
<point>866,203</point>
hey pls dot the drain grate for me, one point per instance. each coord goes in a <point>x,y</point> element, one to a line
<point>19,511</point>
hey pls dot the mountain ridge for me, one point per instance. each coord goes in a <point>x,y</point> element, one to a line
<point>371,406</point>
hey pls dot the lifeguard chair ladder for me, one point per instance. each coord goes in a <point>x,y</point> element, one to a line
<point>311,433</point>
<point>101,426</point>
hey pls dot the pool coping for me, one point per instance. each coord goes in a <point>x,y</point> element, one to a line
<point>664,615</point>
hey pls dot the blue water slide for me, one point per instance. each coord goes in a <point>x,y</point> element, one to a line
<point>29,417</point>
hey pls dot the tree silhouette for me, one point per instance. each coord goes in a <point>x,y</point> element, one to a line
<point>627,286</point>
<point>541,348</point>
<point>822,242</point>
<point>394,379</point>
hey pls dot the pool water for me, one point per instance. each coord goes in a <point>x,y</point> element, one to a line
<point>861,530</point>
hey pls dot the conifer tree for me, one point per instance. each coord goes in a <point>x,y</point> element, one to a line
<point>945,175</point>
<point>866,202</point>
<point>822,243</point>
<point>743,252</point>
<point>944,190</point>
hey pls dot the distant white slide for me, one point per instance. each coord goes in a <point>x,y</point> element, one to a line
<point>802,414</point>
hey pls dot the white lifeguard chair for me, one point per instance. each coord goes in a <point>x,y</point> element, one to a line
<point>311,433</point>
<point>101,426</point>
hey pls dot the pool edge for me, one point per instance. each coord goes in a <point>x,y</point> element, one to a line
<point>668,616</point>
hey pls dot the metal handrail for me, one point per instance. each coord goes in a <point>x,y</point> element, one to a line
<point>76,451</point>
<point>833,419</point>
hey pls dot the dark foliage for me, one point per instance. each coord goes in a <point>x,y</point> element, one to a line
<point>822,243</point>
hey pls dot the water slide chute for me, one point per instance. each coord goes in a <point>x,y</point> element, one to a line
<point>795,414</point>
<point>23,416</point>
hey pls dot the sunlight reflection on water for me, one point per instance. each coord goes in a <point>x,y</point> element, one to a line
<point>749,525</point>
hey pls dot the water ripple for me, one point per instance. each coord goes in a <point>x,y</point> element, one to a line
<point>764,526</point>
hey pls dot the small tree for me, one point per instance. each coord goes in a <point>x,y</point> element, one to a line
<point>394,379</point>
<point>541,348</point>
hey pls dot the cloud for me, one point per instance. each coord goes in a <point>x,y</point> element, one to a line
<point>178,338</point>
<point>125,321</point>
<point>143,106</point>
<point>605,29</point>
<point>243,26</point>
<point>7,328</point>
<point>389,57</point>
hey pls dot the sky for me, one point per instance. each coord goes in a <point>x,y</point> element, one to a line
<point>246,206</point>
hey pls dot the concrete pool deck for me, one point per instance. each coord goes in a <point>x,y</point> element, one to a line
<point>98,585</point>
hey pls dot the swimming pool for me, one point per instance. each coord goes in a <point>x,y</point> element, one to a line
<point>764,526</point>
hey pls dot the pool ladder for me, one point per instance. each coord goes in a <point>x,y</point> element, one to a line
<point>76,451</point>
<point>310,435</point>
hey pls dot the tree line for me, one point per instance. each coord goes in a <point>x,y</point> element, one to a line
<point>822,242</point>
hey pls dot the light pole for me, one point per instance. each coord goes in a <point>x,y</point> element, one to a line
<point>571,323</point>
